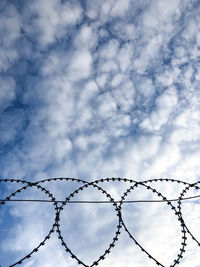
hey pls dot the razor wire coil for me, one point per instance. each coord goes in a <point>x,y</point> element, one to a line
<point>118,206</point>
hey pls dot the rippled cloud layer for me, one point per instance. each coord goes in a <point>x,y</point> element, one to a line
<point>94,89</point>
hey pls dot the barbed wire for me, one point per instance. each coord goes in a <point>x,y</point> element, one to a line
<point>118,207</point>
<point>100,201</point>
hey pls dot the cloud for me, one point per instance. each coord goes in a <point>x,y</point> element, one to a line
<point>7,93</point>
<point>80,66</point>
<point>10,25</point>
<point>165,104</point>
<point>99,89</point>
<point>52,19</point>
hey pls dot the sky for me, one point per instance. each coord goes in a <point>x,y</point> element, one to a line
<point>94,89</point>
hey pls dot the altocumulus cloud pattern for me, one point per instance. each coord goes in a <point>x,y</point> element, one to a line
<point>93,89</point>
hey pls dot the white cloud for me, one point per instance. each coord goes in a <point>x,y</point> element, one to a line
<point>89,91</point>
<point>86,38</point>
<point>116,80</point>
<point>10,32</point>
<point>7,92</point>
<point>82,142</point>
<point>124,57</point>
<point>109,50</point>
<point>120,7</point>
<point>107,106</point>
<point>165,104</point>
<point>80,66</point>
<point>11,125</point>
<point>53,19</point>
<point>110,89</point>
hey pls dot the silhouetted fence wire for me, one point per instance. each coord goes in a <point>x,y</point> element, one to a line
<point>117,204</point>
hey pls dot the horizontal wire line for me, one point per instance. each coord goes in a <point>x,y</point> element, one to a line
<point>95,202</point>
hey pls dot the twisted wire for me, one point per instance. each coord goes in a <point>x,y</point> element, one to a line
<point>117,205</point>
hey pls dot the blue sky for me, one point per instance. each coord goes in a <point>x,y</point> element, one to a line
<point>94,89</point>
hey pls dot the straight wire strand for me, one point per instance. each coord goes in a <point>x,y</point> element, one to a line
<point>96,202</point>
